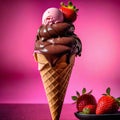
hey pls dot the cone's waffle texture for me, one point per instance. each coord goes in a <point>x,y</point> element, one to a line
<point>55,81</point>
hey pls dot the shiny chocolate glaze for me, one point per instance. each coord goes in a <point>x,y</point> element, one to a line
<point>55,40</point>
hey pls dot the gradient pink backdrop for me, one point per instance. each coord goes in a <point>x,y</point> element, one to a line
<point>97,25</point>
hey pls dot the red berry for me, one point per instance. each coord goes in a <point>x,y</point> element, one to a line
<point>69,11</point>
<point>84,99</point>
<point>89,109</point>
<point>107,104</point>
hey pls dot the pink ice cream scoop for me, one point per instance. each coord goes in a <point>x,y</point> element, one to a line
<point>51,16</point>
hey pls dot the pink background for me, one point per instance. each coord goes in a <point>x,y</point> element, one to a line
<point>97,25</point>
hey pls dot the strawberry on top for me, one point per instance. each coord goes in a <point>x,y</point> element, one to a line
<point>69,12</point>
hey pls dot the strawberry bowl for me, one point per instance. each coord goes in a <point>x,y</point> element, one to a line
<point>115,116</point>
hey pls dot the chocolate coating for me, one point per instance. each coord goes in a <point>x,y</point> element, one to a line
<point>55,40</point>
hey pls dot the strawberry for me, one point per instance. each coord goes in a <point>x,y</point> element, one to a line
<point>69,11</point>
<point>84,99</point>
<point>89,109</point>
<point>107,103</point>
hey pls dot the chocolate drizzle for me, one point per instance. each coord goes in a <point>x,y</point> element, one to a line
<point>58,39</point>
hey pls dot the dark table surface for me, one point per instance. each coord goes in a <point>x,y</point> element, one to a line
<point>41,112</point>
<point>34,112</point>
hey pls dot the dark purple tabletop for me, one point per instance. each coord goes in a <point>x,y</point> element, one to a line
<point>34,112</point>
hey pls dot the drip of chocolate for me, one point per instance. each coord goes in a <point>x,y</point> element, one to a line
<point>53,41</point>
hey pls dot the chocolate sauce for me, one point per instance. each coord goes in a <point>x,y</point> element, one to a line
<point>53,41</point>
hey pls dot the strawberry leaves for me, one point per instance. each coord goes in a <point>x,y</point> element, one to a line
<point>118,101</point>
<point>78,94</point>
<point>108,90</point>
<point>83,91</point>
<point>69,5</point>
<point>74,98</point>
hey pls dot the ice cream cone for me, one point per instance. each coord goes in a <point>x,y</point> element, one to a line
<point>55,81</point>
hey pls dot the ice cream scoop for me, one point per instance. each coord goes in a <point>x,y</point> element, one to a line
<point>51,16</point>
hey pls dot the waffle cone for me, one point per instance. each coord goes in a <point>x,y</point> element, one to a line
<point>55,81</point>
